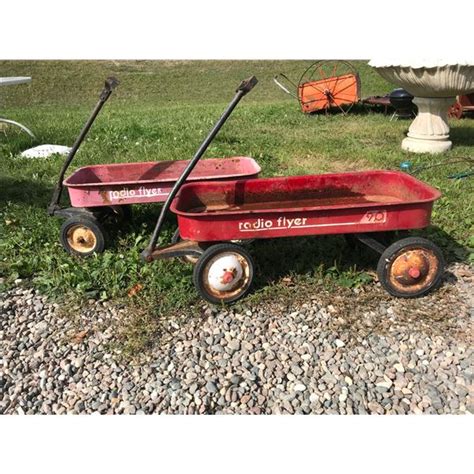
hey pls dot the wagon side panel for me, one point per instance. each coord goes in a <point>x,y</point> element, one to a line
<point>209,227</point>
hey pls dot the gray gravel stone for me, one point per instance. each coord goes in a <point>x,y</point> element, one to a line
<point>347,352</point>
<point>211,387</point>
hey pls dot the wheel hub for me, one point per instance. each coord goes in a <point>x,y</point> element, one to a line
<point>225,273</point>
<point>81,239</point>
<point>413,269</point>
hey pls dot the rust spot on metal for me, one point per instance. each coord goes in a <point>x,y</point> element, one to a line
<point>179,249</point>
<point>104,195</point>
<point>413,270</point>
<point>81,238</point>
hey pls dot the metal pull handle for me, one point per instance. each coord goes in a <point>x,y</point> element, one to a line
<point>111,82</point>
<point>247,85</point>
<point>244,87</point>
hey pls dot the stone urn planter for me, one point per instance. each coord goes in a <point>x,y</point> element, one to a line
<point>435,85</point>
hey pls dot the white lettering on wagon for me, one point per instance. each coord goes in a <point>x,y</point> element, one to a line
<point>279,223</point>
<point>142,192</point>
<point>284,223</point>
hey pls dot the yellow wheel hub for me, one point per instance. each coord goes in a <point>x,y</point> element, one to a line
<point>81,239</point>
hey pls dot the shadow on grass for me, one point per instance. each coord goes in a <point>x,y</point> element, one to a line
<point>362,110</point>
<point>316,256</point>
<point>307,256</point>
<point>26,191</point>
<point>453,251</point>
<point>461,136</point>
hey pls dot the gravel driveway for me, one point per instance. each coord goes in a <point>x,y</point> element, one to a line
<point>356,351</point>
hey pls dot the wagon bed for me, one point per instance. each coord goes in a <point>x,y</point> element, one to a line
<point>369,201</point>
<point>132,183</point>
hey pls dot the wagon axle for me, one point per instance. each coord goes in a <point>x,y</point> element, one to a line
<point>223,273</point>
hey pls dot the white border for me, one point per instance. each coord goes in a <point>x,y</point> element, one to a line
<point>241,29</point>
<point>236,444</point>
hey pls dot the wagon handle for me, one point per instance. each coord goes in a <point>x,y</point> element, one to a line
<point>277,80</point>
<point>110,84</point>
<point>243,88</point>
<point>247,85</point>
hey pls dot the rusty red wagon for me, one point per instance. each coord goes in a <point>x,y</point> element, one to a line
<point>215,220</point>
<point>100,193</point>
<point>464,104</point>
<point>144,182</point>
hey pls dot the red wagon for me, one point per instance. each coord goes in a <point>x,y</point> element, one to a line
<point>139,183</point>
<point>216,219</point>
<point>103,192</point>
<point>342,203</point>
<point>361,203</point>
<point>464,104</point>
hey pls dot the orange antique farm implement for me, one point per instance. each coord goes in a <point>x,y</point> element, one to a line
<point>324,85</point>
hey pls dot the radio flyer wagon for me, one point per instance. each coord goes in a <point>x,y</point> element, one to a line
<point>216,219</point>
<point>98,193</point>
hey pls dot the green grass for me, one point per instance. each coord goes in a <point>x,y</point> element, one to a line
<point>162,111</point>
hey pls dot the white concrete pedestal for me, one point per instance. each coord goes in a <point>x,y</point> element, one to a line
<point>429,132</point>
<point>434,82</point>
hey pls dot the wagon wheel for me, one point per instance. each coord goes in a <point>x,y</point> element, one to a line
<point>455,111</point>
<point>410,267</point>
<point>187,258</point>
<point>329,84</point>
<point>82,236</point>
<point>121,214</point>
<point>223,273</point>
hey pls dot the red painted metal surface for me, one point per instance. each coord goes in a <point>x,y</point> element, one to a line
<point>133,183</point>
<point>369,201</point>
<point>463,104</point>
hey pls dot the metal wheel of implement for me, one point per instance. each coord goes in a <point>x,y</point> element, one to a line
<point>224,273</point>
<point>17,124</point>
<point>82,236</point>
<point>329,84</point>
<point>410,267</point>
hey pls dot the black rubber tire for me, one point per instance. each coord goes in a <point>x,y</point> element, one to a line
<point>92,226</point>
<point>200,269</point>
<point>122,214</point>
<point>398,248</point>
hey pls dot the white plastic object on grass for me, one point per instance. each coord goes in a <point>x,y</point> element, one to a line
<point>44,151</point>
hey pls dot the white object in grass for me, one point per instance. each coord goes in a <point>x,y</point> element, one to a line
<point>44,151</point>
